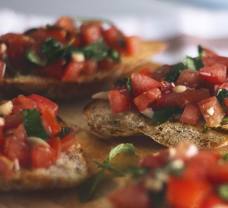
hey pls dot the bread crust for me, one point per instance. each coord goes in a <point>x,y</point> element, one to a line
<point>105,124</point>
<point>68,171</point>
<point>86,86</point>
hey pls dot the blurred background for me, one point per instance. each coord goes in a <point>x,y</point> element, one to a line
<point>182,24</point>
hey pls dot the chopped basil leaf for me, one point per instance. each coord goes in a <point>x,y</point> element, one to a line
<point>124,83</point>
<point>193,63</point>
<point>225,120</point>
<point>52,49</point>
<point>121,148</point>
<point>33,124</point>
<point>200,51</point>
<point>223,191</point>
<point>114,55</point>
<point>222,94</point>
<point>64,131</point>
<point>174,72</point>
<point>163,115</point>
<point>137,171</point>
<point>34,58</point>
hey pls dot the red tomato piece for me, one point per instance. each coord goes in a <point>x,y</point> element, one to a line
<point>132,45</point>
<point>211,60</point>
<point>119,101</point>
<point>2,140</point>
<point>90,67</point>
<point>226,103</point>
<point>73,71</point>
<point>55,144</point>
<point>198,166</point>
<point>156,161</point>
<point>182,99</point>
<point>15,147</point>
<point>130,197</point>
<point>145,99</point>
<point>189,78</point>
<point>42,157</point>
<point>53,70</point>
<point>66,23</point>
<point>191,114</point>
<point>106,64</point>
<point>50,122</point>
<point>91,32</point>
<point>213,201</point>
<point>6,168</point>
<point>2,69</point>
<point>44,103</point>
<point>161,72</point>
<point>22,102</point>
<point>214,74</point>
<point>208,53</point>
<point>141,83</point>
<point>147,71</point>
<point>224,86</point>
<point>112,36</point>
<point>13,120</point>
<point>68,141</point>
<point>212,111</point>
<point>218,173</point>
<point>187,193</point>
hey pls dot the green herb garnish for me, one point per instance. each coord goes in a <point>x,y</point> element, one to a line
<point>222,94</point>
<point>163,115</point>
<point>33,124</point>
<point>225,157</point>
<point>193,63</point>
<point>174,72</point>
<point>34,58</point>
<point>223,191</point>
<point>64,131</point>
<point>124,83</point>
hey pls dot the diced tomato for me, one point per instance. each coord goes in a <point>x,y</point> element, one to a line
<point>161,72</point>
<point>42,157</point>
<point>106,64</point>
<point>13,120</point>
<point>212,111</point>
<point>44,103</point>
<point>147,71</point>
<point>119,101</point>
<point>156,160</point>
<point>55,144</point>
<point>91,32</point>
<point>73,71</point>
<point>191,114</point>
<point>141,83</point>
<point>224,86</point>
<point>112,36</point>
<point>50,122</point>
<point>22,102</point>
<point>208,53</point>
<point>17,46</point>
<point>145,99</point>
<point>53,70</point>
<point>187,193</point>
<point>130,197</point>
<point>218,173</point>
<point>214,74</point>
<point>182,99</point>
<point>68,141</point>
<point>211,60</point>
<point>132,45</point>
<point>66,23</point>
<point>198,166</point>
<point>2,69</point>
<point>15,147</point>
<point>90,67</point>
<point>226,102</point>
<point>6,168</point>
<point>189,78</point>
<point>1,139</point>
<point>213,201</point>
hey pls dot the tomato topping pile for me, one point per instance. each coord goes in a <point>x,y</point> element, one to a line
<point>194,91</point>
<point>181,178</point>
<point>31,135</point>
<point>65,50</point>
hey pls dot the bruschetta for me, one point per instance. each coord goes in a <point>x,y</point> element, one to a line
<point>37,151</point>
<point>186,101</point>
<point>73,57</point>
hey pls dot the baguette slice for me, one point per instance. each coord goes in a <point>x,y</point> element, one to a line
<point>68,171</point>
<point>106,125</point>
<point>86,85</point>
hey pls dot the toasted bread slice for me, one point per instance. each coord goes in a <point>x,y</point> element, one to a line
<point>68,171</point>
<point>106,124</point>
<point>85,86</point>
